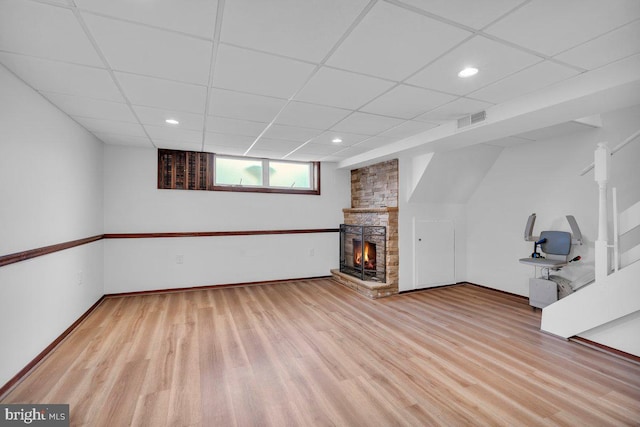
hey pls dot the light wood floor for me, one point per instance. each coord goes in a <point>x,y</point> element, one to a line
<point>315,353</point>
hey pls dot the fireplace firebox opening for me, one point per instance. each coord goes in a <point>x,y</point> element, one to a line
<point>368,261</point>
<point>369,255</point>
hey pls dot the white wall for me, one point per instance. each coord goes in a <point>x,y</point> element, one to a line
<point>51,170</point>
<point>133,204</point>
<point>544,177</point>
<point>409,212</point>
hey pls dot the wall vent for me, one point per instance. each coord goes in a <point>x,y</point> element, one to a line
<point>472,119</point>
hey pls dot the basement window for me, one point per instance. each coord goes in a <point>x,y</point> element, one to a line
<point>266,175</point>
<point>180,169</point>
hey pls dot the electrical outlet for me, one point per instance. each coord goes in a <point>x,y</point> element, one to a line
<point>80,278</point>
<point>179,259</point>
<point>312,252</point>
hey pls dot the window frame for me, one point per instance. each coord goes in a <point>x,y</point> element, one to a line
<point>170,169</point>
<point>314,171</point>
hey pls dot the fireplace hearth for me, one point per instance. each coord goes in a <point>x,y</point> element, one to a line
<point>363,251</point>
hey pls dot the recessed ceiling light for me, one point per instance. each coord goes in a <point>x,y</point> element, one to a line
<point>336,140</point>
<point>172,121</point>
<point>468,72</point>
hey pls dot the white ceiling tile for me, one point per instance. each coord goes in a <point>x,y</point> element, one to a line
<point>244,106</point>
<point>603,50</point>
<point>259,73</point>
<point>46,31</point>
<point>226,140</point>
<point>304,157</point>
<point>347,138</point>
<point>276,145</point>
<point>158,117</point>
<point>223,149</point>
<point>366,124</point>
<point>291,133</point>
<point>110,126</point>
<point>393,42</point>
<point>475,14</point>
<point>300,29</point>
<point>406,102</point>
<point>59,77</point>
<point>407,129</point>
<point>376,142</point>
<point>234,126</point>
<point>310,115</point>
<point>318,149</point>
<point>454,110</point>
<point>114,139</point>
<point>343,89</point>
<point>89,107</point>
<point>551,26</point>
<point>138,49</point>
<point>268,154</point>
<point>493,60</point>
<point>165,94</point>
<point>170,133</point>
<point>196,17</point>
<point>533,78</point>
<point>177,145</point>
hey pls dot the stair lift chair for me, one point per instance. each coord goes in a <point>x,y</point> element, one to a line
<point>555,247</point>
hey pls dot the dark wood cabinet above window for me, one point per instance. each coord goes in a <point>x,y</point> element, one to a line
<point>185,170</point>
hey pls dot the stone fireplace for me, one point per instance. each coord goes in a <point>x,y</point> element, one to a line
<point>369,244</point>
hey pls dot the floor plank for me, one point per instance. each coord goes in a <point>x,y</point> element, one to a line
<point>312,352</point>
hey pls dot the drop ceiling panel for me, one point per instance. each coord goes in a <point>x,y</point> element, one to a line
<point>89,107</point>
<point>533,78</point>
<point>310,115</point>
<point>110,126</point>
<point>158,117</point>
<point>239,142</point>
<point>393,42</point>
<point>165,94</point>
<point>348,139</point>
<point>319,149</point>
<point>407,129</point>
<point>196,17</point>
<point>303,157</point>
<point>299,29</point>
<point>343,89</point>
<point>259,73</point>
<point>366,124</point>
<point>493,60</point>
<point>454,110</point>
<point>59,77</point>
<point>475,14</point>
<point>45,31</point>
<point>551,26</point>
<point>605,49</point>
<point>234,127</point>
<point>170,133</point>
<point>177,145</point>
<point>406,102</point>
<point>132,141</point>
<point>375,142</point>
<point>291,133</point>
<point>244,106</point>
<point>275,145</point>
<point>148,51</point>
<point>222,149</point>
